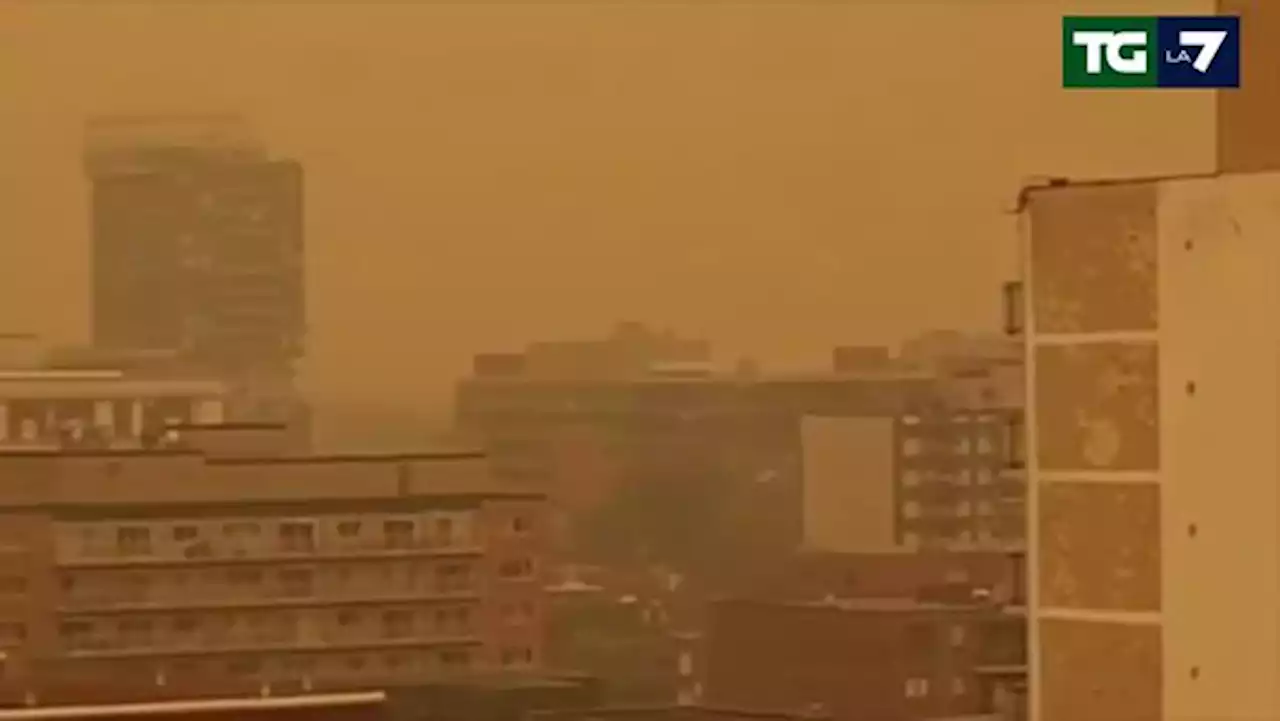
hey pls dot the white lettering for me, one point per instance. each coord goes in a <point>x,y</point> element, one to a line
<point>1209,42</point>
<point>1115,44</point>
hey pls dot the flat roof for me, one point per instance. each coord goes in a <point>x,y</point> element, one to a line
<point>867,605</point>
<point>1061,183</point>
<point>224,705</point>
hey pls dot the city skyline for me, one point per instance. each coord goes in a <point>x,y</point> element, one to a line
<point>687,149</point>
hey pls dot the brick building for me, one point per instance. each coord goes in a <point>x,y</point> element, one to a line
<point>888,660</point>
<point>180,562</point>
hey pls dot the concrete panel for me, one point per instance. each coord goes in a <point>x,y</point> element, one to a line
<point>1096,407</point>
<point>1099,546</point>
<point>1093,671</point>
<point>848,483</point>
<point>1220,301</point>
<point>1093,258</point>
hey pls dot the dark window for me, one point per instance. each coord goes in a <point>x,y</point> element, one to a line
<point>133,540</point>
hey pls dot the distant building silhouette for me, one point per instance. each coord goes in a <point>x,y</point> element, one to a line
<point>197,247</point>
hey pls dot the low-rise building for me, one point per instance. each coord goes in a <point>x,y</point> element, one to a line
<point>630,641</point>
<point>358,706</point>
<point>885,659</point>
<point>43,408</point>
<point>923,575</point>
<point>184,562</point>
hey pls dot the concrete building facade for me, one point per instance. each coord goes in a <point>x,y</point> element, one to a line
<point>176,563</point>
<point>1150,330</point>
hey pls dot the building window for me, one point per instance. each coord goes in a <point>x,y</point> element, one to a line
<point>911,539</point>
<point>964,477</point>
<point>245,666</point>
<point>963,509</point>
<point>455,658</point>
<point>397,624</point>
<point>135,632</point>
<point>517,656</point>
<point>911,420</point>
<point>297,582</point>
<point>912,447</point>
<point>916,688</point>
<point>984,508</point>
<point>444,531</point>
<point>298,536</point>
<point>186,624</point>
<point>455,620</point>
<point>985,446</point>
<point>1015,442</point>
<point>13,633</point>
<point>75,634</point>
<point>911,509</point>
<point>185,533</point>
<point>298,665</point>
<point>911,478</point>
<point>133,540</point>
<point>984,476</point>
<point>518,568</point>
<point>520,525</point>
<point>452,578</point>
<point>398,533</point>
<point>354,662</point>
<point>957,635</point>
<point>517,614</point>
<point>244,579</point>
<point>958,686</point>
<point>347,619</point>
<point>397,661</point>
<point>685,664</point>
<point>240,529</point>
<point>963,447</point>
<point>348,529</point>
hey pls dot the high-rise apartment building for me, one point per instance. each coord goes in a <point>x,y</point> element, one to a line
<point>197,245</point>
<point>1150,309</point>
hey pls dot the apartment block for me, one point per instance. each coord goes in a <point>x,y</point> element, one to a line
<point>958,478</point>
<point>884,659</point>
<point>939,476</point>
<point>180,564</point>
<point>1150,326</point>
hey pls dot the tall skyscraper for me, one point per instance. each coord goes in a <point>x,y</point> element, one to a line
<point>197,244</point>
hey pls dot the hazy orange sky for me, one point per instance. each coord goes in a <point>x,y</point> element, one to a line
<point>778,177</point>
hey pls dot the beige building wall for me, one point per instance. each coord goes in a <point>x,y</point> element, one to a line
<point>1154,411</point>
<point>849,483</point>
<point>1247,139</point>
